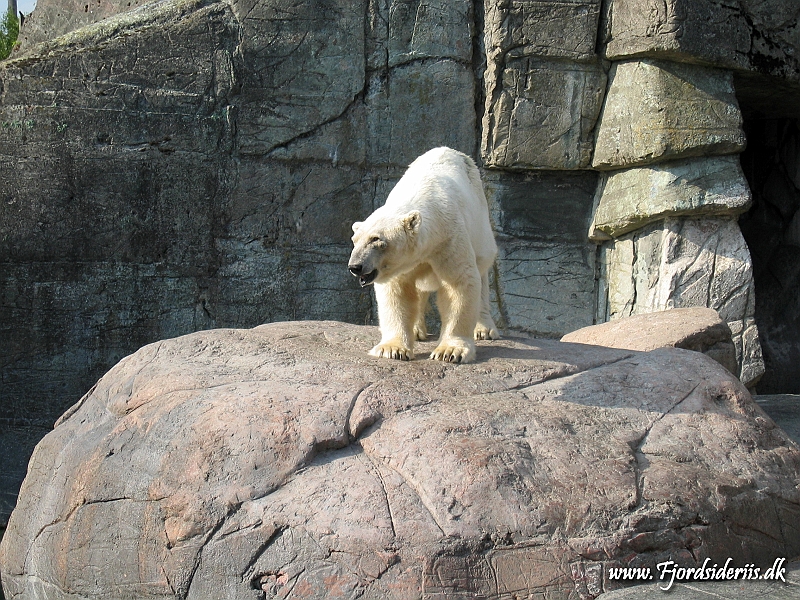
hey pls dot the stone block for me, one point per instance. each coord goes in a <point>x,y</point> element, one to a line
<point>656,111</point>
<point>420,29</point>
<point>541,206</point>
<point>540,114</point>
<point>546,272</point>
<point>752,35</point>
<point>540,109</point>
<point>558,29</point>
<point>632,198</point>
<point>684,262</point>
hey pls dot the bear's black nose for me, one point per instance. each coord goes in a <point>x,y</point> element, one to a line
<point>356,269</point>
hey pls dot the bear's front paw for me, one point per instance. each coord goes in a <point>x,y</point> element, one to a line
<point>450,353</point>
<point>486,332</point>
<point>392,350</point>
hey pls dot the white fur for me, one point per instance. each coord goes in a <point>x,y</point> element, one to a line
<point>433,234</point>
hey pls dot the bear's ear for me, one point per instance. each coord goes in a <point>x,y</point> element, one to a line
<point>412,220</point>
<point>356,225</point>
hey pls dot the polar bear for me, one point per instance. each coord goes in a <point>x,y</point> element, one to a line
<point>432,234</point>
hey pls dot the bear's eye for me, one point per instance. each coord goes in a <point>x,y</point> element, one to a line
<point>374,239</point>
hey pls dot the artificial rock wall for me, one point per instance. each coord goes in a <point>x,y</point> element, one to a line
<point>190,164</point>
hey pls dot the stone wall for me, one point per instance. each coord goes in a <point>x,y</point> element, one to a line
<point>191,164</point>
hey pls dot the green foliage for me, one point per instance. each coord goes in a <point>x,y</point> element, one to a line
<point>9,30</point>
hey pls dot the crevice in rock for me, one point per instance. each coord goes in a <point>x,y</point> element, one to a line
<point>357,98</point>
<point>639,456</point>
<point>414,487</point>
<point>376,468</point>
<point>247,571</point>
<point>181,594</point>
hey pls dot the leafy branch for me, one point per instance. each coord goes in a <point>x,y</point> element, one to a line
<point>9,30</point>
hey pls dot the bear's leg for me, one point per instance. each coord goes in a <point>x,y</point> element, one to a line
<point>420,328</point>
<point>398,304</point>
<point>459,307</point>
<point>486,329</point>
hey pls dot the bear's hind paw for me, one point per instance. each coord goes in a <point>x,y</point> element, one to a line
<point>392,350</point>
<point>482,332</point>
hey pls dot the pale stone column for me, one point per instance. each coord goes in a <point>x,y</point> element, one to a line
<point>666,206</point>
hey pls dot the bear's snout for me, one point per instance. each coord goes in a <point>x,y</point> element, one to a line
<point>363,278</point>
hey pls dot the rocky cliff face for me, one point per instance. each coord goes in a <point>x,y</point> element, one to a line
<point>189,164</point>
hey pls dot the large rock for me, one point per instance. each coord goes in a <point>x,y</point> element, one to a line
<point>698,329</point>
<point>541,109</point>
<point>632,198</point>
<point>752,35</point>
<point>657,110</point>
<point>681,263</point>
<point>284,461</point>
<point>542,115</point>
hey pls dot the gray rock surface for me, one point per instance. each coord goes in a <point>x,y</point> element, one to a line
<point>751,35</point>
<point>632,198</point>
<point>534,255</point>
<point>681,263</point>
<point>698,329</point>
<point>541,109</point>
<point>284,459</point>
<point>656,110</point>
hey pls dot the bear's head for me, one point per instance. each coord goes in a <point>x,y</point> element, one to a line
<point>384,246</point>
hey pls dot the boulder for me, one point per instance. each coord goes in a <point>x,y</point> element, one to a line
<point>698,329</point>
<point>657,110</point>
<point>284,461</point>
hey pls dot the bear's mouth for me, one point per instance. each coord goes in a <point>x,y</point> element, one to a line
<point>367,278</point>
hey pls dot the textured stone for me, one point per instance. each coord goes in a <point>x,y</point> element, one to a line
<point>752,35</point>
<point>284,460</point>
<point>657,111</point>
<point>683,262</point>
<point>420,29</point>
<point>556,29</point>
<point>53,18</point>
<point>540,109</point>
<point>443,114</point>
<point>546,267</point>
<point>542,114</point>
<point>632,198</point>
<point>302,66</point>
<point>698,329</point>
